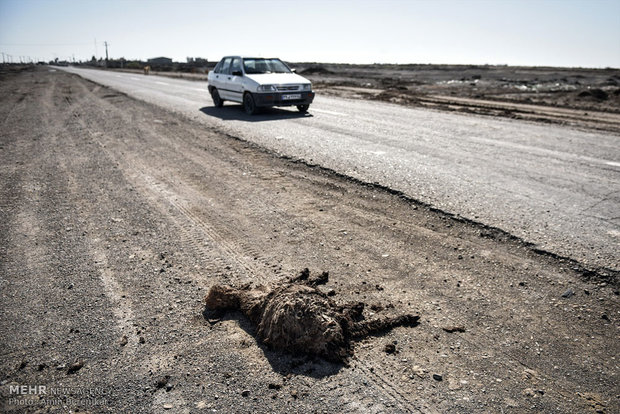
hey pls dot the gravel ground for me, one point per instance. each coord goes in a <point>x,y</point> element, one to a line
<point>118,216</point>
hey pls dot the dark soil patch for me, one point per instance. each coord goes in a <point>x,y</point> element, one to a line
<point>316,70</point>
<point>597,94</point>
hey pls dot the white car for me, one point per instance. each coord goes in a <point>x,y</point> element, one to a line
<point>258,82</point>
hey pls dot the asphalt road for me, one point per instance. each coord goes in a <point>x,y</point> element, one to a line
<point>554,186</point>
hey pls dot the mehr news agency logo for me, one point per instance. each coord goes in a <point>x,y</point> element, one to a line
<point>30,395</point>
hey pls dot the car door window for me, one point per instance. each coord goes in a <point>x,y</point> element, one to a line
<point>225,69</point>
<point>218,67</point>
<point>236,65</point>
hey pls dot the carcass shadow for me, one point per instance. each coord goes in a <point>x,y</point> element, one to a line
<point>236,113</point>
<point>284,363</point>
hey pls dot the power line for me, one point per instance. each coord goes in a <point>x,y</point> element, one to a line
<point>44,44</point>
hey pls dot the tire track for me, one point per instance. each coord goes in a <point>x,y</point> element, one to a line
<point>198,230</point>
<point>205,238</point>
<point>196,222</point>
<point>399,396</point>
<point>216,227</point>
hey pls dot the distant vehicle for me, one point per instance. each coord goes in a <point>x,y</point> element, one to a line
<point>258,82</point>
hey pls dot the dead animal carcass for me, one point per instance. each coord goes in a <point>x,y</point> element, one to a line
<point>298,318</point>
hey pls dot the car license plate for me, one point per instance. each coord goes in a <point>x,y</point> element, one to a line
<point>291,97</point>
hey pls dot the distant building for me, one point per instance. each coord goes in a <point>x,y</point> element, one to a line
<point>160,61</point>
<point>197,61</point>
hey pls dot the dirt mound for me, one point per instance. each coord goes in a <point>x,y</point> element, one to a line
<point>597,94</point>
<point>298,318</point>
<point>316,70</point>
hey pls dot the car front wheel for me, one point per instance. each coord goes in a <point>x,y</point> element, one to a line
<point>217,101</point>
<point>303,108</point>
<point>248,104</point>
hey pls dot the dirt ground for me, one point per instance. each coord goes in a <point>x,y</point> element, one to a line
<point>117,217</point>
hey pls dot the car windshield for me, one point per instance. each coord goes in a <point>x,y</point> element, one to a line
<point>259,65</point>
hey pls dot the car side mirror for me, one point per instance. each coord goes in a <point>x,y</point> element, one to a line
<point>237,73</point>
<point>294,70</point>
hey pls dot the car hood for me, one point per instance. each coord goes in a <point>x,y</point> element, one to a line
<point>277,78</point>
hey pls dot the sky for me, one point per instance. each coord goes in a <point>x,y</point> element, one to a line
<point>568,33</point>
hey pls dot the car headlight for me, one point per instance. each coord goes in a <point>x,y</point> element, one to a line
<point>267,88</point>
<point>306,86</point>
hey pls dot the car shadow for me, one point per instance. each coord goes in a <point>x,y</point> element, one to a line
<point>236,113</point>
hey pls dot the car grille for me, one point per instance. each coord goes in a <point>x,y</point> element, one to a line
<point>285,88</point>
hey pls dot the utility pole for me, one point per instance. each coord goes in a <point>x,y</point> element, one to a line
<point>106,53</point>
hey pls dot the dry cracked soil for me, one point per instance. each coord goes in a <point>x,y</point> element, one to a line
<point>117,217</point>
